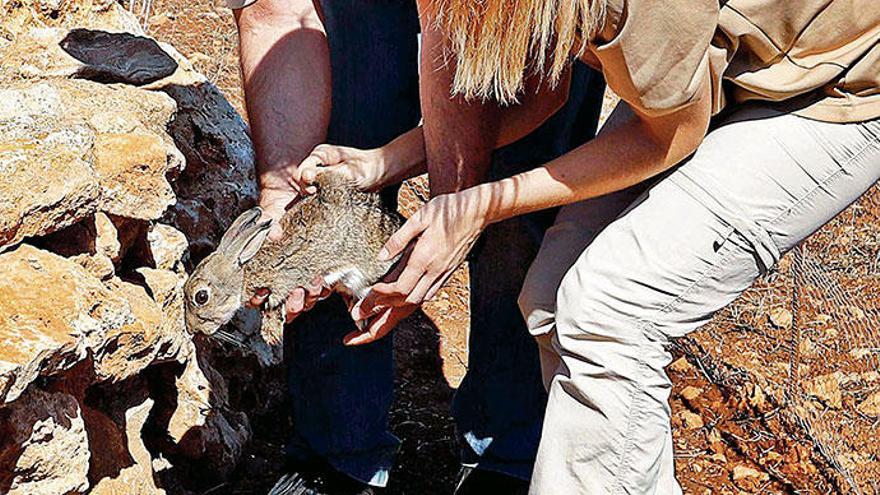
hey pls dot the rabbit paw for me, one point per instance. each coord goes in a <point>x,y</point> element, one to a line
<point>274,300</point>
<point>272,331</point>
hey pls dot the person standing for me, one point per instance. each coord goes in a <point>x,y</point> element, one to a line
<point>345,73</point>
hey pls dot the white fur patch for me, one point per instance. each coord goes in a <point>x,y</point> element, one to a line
<point>349,281</point>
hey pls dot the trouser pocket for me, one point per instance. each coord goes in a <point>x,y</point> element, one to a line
<point>765,250</point>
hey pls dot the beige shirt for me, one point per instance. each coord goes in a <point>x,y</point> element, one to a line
<point>819,58</point>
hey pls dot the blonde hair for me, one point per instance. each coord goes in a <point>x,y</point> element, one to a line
<point>495,44</point>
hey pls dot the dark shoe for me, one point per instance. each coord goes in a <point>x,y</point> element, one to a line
<point>319,480</point>
<point>472,481</point>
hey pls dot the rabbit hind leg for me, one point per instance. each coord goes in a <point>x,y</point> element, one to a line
<point>272,331</point>
<point>350,281</point>
<point>353,283</point>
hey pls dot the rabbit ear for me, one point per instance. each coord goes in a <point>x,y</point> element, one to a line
<point>252,242</point>
<point>239,225</point>
<point>245,236</point>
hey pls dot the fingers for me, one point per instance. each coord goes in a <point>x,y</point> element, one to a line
<point>437,286</point>
<point>303,299</point>
<point>307,172</point>
<point>295,304</point>
<point>274,203</point>
<point>385,294</point>
<point>379,326</point>
<point>324,155</point>
<point>401,239</point>
<point>258,298</point>
<point>420,291</point>
<point>298,301</point>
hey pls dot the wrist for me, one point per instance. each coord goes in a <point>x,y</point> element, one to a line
<point>494,198</point>
<point>404,157</point>
<point>482,202</point>
<point>277,178</point>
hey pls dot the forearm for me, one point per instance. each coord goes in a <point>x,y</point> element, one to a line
<point>285,66</point>
<point>629,150</point>
<point>406,155</point>
<point>459,136</point>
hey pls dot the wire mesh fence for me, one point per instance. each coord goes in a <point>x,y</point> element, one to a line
<point>802,349</point>
<point>141,9</point>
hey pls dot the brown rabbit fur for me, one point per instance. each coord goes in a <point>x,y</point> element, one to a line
<point>336,234</point>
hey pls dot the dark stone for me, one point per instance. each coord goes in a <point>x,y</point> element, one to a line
<point>118,57</point>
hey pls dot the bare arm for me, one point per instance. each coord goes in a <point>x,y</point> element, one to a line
<point>630,149</point>
<point>460,136</point>
<point>405,156</point>
<point>285,64</point>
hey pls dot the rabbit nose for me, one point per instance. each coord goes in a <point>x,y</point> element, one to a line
<point>195,325</point>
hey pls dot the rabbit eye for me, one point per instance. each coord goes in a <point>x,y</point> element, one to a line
<point>201,297</point>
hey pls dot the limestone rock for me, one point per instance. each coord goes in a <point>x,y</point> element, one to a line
<point>34,55</point>
<point>781,318</point>
<point>691,420</point>
<point>167,246</point>
<point>98,265</point>
<point>53,314</point>
<point>98,182</point>
<point>48,183</point>
<point>870,406</point>
<point>124,350</point>
<point>681,365</point>
<point>166,288</point>
<point>45,449</point>
<point>691,393</point>
<point>45,309</point>
<point>71,148</point>
<point>136,479</point>
<point>107,237</point>
<point>200,426</point>
<point>748,478</point>
<point>218,182</point>
<point>22,15</point>
<point>827,389</point>
<point>132,169</point>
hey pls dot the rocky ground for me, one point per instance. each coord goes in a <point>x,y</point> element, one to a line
<point>119,173</point>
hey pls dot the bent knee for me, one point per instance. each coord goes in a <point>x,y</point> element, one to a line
<point>598,326</point>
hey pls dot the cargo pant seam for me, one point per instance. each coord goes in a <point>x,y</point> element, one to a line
<point>649,331</point>
<point>797,205</point>
<point>670,306</point>
<point>625,460</point>
<point>647,324</point>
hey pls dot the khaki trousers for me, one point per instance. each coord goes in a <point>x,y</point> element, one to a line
<point>617,277</point>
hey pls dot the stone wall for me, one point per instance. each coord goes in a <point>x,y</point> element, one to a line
<point>119,168</point>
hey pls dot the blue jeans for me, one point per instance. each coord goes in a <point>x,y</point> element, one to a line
<point>341,395</point>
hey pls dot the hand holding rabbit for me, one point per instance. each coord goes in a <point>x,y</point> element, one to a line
<point>335,234</point>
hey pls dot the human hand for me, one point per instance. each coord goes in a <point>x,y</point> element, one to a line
<point>366,169</point>
<point>280,188</point>
<point>443,232</point>
<point>300,300</point>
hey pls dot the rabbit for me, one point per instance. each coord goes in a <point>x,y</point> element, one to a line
<point>336,233</point>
